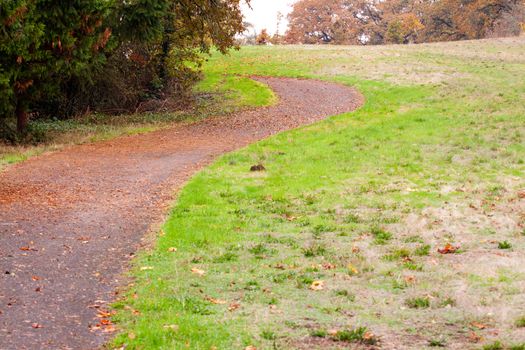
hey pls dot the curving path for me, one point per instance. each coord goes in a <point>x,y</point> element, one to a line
<point>70,220</point>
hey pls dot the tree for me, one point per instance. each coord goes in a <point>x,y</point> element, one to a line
<point>249,35</point>
<point>402,21</point>
<point>263,38</point>
<point>44,42</point>
<point>471,19</point>
<point>50,48</point>
<point>319,21</point>
<point>403,29</point>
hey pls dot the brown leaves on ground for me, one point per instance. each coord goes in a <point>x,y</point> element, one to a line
<point>410,279</point>
<point>317,285</point>
<point>478,325</point>
<point>474,337</point>
<point>234,306</point>
<point>449,249</point>
<point>329,266</point>
<point>105,324</point>
<point>352,270</point>
<point>215,301</point>
<point>198,271</point>
<point>103,314</point>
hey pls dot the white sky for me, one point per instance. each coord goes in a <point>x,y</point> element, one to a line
<point>264,14</point>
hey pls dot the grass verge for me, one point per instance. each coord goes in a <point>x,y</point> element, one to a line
<point>374,228</point>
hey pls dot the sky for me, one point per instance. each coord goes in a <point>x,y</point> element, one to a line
<point>264,14</point>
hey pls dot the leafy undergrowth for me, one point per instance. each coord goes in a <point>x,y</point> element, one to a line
<point>398,226</point>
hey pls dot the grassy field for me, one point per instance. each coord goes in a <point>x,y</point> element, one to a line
<point>336,244</point>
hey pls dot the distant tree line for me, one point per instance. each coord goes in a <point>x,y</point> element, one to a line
<point>402,21</point>
<point>63,57</point>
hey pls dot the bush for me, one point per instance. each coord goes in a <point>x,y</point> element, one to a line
<point>63,58</point>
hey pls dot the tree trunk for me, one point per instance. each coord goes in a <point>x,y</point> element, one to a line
<point>163,71</point>
<point>22,118</point>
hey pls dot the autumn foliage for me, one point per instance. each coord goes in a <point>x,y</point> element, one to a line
<point>402,21</point>
<point>263,38</point>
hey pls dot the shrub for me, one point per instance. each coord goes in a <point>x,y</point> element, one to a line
<point>64,57</point>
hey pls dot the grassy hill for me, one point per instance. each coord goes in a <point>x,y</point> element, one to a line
<point>336,244</point>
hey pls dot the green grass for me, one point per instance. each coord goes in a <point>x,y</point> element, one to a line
<point>520,322</point>
<point>240,91</point>
<point>435,156</point>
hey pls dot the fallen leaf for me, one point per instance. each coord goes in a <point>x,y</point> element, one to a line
<point>329,266</point>
<point>95,327</point>
<point>37,325</point>
<point>28,249</point>
<point>478,325</point>
<point>355,249</point>
<point>83,240</point>
<point>250,347</point>
<point>448,249</point>
<point>352,269</point>
<point>368,336</point>
<point>35,278</point>
<point>198,271</point>
<point>133,311</point>
<point>234,306</point>
<point>290,217</point>
<point>172,249</point>
<point>215,301</point>
<point>474,337</point>
<point>103,314</point>
<point>410,279</point>
<point>105,322</point>
<point>317,285</point>
<point>146,268</point>
<point>109,329</point>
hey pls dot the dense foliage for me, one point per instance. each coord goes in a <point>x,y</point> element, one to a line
<point>402,21</point>
<point>63,57</point>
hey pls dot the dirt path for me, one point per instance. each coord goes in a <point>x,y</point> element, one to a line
<point>70,221</point>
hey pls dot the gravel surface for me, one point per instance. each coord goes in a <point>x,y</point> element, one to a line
<point>71,220</point>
